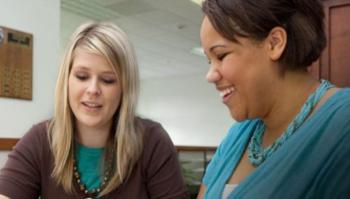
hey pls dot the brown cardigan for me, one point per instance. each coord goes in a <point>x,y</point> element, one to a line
<point>27,173</point>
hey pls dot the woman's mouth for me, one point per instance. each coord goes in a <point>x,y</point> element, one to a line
<point>92,106</point>
<point>226,94</point>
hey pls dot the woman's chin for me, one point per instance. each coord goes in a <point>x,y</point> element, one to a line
<point>90,122</point>
<point>237,117</point>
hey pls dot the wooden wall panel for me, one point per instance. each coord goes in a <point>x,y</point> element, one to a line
<point>339,44</point>
<point>7,143</point>
<point>16,54</point>
<point>335,60</point>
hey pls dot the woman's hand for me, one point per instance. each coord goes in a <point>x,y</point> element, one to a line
<point>200,193</point>
<point>3,197</point>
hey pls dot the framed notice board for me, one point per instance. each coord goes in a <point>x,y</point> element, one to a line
<point>16,52</point>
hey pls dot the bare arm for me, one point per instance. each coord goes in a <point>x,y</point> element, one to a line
<point>201,192</point>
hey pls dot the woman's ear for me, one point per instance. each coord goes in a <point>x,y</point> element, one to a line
<point>276,42</point>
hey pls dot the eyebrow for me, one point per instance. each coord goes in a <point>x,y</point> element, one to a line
<point>111,72</point>
<point>80,67</point>
<point>216,46</point>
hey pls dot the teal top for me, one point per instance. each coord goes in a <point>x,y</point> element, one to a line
<point>313,163</point>
<point>89,165</point>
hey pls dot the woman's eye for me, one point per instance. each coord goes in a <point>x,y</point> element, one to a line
<point>222,56</point>
<point>81,77</point>
<point>108,81</point>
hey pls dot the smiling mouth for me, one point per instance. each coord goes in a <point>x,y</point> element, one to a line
<point>92,106</point>
<point>226,93</point>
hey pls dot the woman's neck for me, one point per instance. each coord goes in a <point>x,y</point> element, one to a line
<point>93,137</point>
<point>293,91</point>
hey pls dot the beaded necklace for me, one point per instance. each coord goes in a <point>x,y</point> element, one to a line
<point>82,187</point>
<point>94,192</point>
<point>257,154</point>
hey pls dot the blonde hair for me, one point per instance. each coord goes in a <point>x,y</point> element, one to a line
<point>109,41</point>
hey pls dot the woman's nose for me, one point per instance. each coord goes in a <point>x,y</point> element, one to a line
<point>213,75</point>
<point>93,88</point>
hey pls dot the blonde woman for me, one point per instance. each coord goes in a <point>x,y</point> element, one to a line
<point>95,146</point>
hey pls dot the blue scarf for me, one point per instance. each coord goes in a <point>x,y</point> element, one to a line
<point>313,163</point>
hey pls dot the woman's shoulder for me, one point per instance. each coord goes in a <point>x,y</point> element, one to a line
<point>156,141</point>
<point>338,104</point>
<point>41,126</point>
<point>37,135</point>
<point>40,129</point>
<point>343,100</point>
<point>148,123</point>
<point>152,131</point>
<point>342,96</point>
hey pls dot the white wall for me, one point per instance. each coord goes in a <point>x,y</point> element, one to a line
<point>3,158</point>
<point>41,19</point>
<point>189,108</point>
<point>70,21</point>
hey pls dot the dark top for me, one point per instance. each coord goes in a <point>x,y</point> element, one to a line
<point>27,172</point>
